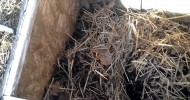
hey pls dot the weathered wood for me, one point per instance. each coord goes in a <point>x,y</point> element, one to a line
<point>54,20</point>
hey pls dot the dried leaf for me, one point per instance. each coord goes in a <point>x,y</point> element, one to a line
<point>103,55</point>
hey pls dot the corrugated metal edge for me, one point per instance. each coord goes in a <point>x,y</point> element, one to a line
<point>17,57</point>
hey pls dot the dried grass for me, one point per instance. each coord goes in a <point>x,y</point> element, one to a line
<point>9,16</point>
<point>145,48</point>
<point>9,12</point>
<point>6,40</point>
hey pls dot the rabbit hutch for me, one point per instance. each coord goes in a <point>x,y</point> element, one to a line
<point>100,50</point>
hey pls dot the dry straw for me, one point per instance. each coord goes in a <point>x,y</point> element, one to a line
<point>148,45</point>
<point>9,16</point>
<point>9,12</point>
<point>6,40</point>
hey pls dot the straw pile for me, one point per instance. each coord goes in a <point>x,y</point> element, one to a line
<point>6,40</point>
<point>9,12</point>
<point>9,16</point>
<point>134,56</point>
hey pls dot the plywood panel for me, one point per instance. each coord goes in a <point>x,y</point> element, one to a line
<point>54,20</point>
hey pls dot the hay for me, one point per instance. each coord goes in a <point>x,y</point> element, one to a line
<point>6,40</point>
<point>134,56</point>
<point>9,16</point>
<point>9,12</point>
